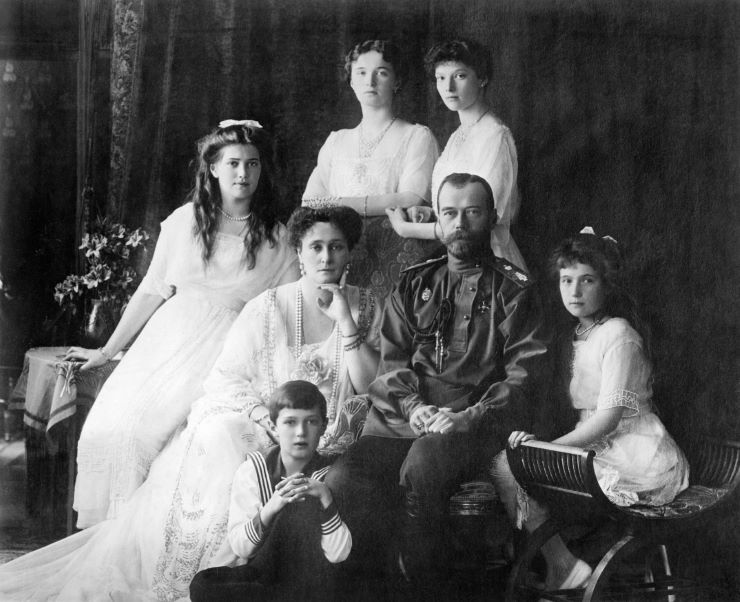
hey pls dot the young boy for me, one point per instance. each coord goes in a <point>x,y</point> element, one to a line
<point>282,518</point>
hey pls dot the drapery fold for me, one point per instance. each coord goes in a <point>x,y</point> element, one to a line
<point>608,130</point>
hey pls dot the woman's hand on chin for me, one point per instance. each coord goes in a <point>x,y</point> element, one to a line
<point>337,308</point>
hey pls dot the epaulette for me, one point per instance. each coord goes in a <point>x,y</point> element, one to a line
<point>424,264</point>
<point>512,272</point>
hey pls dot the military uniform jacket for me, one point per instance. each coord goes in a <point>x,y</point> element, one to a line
<point>493,341</point>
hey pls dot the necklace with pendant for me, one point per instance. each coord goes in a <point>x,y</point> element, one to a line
<point>338,350</point>
<point>367,147</point>
<point>462,132</point>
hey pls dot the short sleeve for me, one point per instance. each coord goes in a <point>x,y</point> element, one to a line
<point>318,182</point>
<point>418,163</point>
<point>624,372</point>
<point>155,280</point>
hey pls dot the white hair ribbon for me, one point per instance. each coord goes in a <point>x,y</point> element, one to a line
<point>590,230</point>
<point>247,123</point>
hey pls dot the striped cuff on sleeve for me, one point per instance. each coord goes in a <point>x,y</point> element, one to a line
<point>330,520</point>
<point>254,529</point>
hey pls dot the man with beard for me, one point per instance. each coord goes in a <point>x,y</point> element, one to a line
<point>461,339</point>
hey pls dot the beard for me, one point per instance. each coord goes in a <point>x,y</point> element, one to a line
<point>463,244</point>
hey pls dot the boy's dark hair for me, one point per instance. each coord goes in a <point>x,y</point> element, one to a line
<point>297,395</point>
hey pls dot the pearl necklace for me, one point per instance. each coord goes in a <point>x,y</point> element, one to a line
<point>367,147</point>
<point>586,330</point>
<point>228,216</point>
<point>338,349</point>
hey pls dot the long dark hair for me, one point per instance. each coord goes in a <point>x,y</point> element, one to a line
<point>206,194</point>
<point>606,257</point>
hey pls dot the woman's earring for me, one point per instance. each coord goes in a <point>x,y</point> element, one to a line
<point>300,266</point>
<point>346,269</point>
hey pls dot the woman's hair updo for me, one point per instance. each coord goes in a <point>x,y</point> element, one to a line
<point>206,194</point>
<point>387,49</point>
<point>474,55</point>
<point>347,220</point>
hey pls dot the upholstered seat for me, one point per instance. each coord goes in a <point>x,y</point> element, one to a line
<point>564,478</point>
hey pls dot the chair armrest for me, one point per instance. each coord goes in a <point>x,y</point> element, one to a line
<point>549,467</point>
<point>714,462</point>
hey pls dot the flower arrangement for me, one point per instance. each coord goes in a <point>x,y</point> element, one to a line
<point>112,253</point>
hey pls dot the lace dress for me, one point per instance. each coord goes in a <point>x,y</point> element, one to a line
<point>486,150</point>
<point>639,462</point>
<point>150,392</point>
<point>175,524</point>
<point>402,162</point>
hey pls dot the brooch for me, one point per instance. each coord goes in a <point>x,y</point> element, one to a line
<point>426,294</point>
<point>483,307</point>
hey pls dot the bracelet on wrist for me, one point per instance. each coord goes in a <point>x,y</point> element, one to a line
<point>436,236</point>
<point>351,336</point>
<point>326,202</point>
<point>107,356</point>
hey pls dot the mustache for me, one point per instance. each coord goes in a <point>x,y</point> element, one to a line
<point>465,237</point>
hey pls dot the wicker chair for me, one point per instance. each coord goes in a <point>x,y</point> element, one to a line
<point>563,477</point>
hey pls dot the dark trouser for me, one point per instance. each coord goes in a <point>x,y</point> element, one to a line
<point>289,564</point>
<point>372,480</point>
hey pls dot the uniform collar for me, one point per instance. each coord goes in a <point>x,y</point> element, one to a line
<point>457,265</point>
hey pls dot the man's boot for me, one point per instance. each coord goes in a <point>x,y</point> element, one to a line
<point>422,558</point>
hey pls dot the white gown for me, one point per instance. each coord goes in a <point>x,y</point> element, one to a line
<point>402,162</point>
<point>150,392</point>
<point>638,462</point>
<point>488,151</point>
<point>175,524</point>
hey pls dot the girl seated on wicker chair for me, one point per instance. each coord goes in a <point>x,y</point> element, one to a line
<point>610,386</point>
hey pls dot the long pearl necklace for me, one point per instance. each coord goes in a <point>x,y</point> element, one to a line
<point>367,147</point>
<point>299,346</point>
<point>242,218</point>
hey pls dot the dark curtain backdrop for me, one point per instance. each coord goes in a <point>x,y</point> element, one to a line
<point>625,116</point>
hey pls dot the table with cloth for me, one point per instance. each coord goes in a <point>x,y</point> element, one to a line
<point>55,397</point>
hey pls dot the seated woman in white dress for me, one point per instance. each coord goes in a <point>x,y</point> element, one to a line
<point>317,329</point>
<point>383,162</point>
<point>215,253</point>
<point>482,145</point>
<point>610,385</point>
